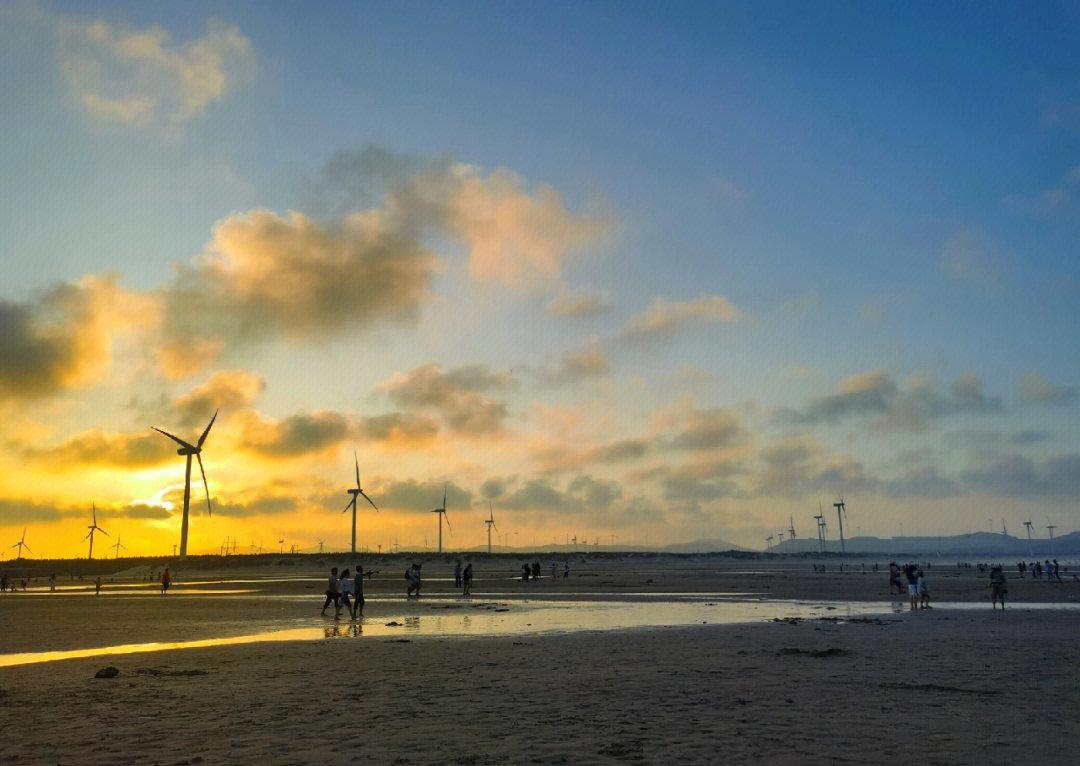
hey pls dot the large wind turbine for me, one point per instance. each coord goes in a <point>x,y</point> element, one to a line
<point>490,521</point>
<point>841,511</point>
<point>188,450</point>
<point>352,503</point>
<point>791,526</point>
<point>93,527</point>
<point>20,545</point>
<point>442,515</point>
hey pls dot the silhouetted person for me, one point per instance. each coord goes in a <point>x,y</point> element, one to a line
<point>998,589</point>
<point>333,593</point>
<point>166,581</point>
<point>457,573</point>
<point>358,592</point>
<point>97,587</point>
<point>346,584</point>
<point>412,575</point>
<point>466,580</point>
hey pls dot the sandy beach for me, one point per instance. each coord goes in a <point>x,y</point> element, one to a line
<point>955,684</point>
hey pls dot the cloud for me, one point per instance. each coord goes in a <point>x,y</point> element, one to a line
<point>1032,387</point>
<point>303,434</point>
<point>664,316</point>
<point>457,395</point>
<point>182,357</point>
<point>264,275</point>
<point>583,493</point>
<point>876,394</point>
<point>413,495</point>
<point>578,302</point>
<point>518,238</point>
<point>799,467</point>
<point>14,511</point>
<point>224,390</point>
<point>1018,476</point>
<point>142,78</point>
<point>708,430</point>
<point>971,256</point>
<point>65,337</point>
<point>588,362</point>
<point>616,451</point>
<point>406,427</point>
<point>103,448</point>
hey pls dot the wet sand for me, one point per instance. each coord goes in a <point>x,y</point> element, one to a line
<point>946,686</point>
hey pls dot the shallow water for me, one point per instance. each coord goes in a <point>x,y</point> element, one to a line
<point>495,618</point>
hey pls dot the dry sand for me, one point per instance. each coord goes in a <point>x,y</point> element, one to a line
<point>941,686</point>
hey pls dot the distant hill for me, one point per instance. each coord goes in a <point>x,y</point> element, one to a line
<point>973,544</point>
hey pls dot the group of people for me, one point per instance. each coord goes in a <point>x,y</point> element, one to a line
<point>917,588</point>
<point>347,591</point>
<point>533,571</point>
<point>1049,568</point>
<point>463,577</point>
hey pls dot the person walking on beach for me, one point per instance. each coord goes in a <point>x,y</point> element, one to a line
<point>97,587</point>
<point>457,573</point>
<point>166,581</point>
<point>333,593</point>
<point>912,585</point>
<point>358,592</point>
<point>894,578</point>
<point>52,583</point>
<point>998,589</point>
<point>346,588</point>
<point>924,590</point>
<point>466,580</point>
<point>412,574</point>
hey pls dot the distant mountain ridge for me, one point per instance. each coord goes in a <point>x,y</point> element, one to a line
<point>972,544</point>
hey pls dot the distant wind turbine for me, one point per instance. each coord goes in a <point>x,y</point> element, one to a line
<point>791,527</point>
<point>93,527</point>
<point>20,545</point>
<point>352,503</point>
<point>118,546</point>
<point>442,515</point>
<point>841,511</point>
<point>1028,524</point>
<point>188,450</point>
<point>490,521</point>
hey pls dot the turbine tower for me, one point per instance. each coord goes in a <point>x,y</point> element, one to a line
<point>118,546</point>
<point>490,521</point>
<point>820,519</point>
<point>352,503</point>
<point>1031,548</point>
<point>93,527</point>
<point>20,545</point>
<point>841,512</point>
<point>188,450</point>
<point>442,515</point>
<point>791,527</point>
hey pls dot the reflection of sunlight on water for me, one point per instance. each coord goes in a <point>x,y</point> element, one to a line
<point>486,618</point>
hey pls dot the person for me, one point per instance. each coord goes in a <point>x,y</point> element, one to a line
<point>457,573</point>
<point>166,581</point>
<point>924,590</point>
<point>97,587</point>
<point>346,587</point>
<point>536,570</point>
<point>466,579</point>
<point>894,578</point>
<point>525,572</point>
<point>912,585</point>
<point>1057,570</point>
<point>566,569</point>
<point>998,589</point>
<point>554,570</point>
<point>358,592</point>
<point>412,574</point>
<point>52,582</point>
<point>3,583</point>
<point>333,593</point>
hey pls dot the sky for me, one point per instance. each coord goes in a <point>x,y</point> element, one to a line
<point>631,273</point>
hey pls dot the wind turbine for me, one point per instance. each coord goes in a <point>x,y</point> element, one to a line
<point>188,450</point>
<point>20,545</point>
<point>490,521</point>
<point>118,546</point>
<point>1028,524</point>
<point>442,515</point>
<point>840,513</point>
<point>352,503</point>
<point>768,542</point>
<point>820,519</point>
<point>791,527</point>
<point>93,527</point>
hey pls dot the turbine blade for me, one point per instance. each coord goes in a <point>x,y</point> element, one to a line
<point>176,439</point>
<point>357,464</point>
<point>447,522</point>
<point>102,531</point>
<point>207,431</point>
<point>205,485</point>
<point>444,498</point>
<point>88,534</point>
<point>352,504</point>
<point>27,547</point>
<point>366,498</point>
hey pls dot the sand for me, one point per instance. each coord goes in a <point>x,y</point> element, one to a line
<point>939,686</point>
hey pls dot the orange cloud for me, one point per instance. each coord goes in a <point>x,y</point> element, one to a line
<point>664,316</point>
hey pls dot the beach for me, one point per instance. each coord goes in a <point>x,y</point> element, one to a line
<point>951,685</point>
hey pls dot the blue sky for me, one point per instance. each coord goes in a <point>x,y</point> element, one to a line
<point>678,271</point>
